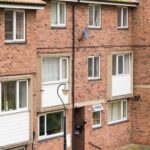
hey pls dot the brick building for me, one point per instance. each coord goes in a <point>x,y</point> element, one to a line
<point>100,50</point>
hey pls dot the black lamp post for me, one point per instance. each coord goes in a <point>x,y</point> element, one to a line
<point>65,92</point>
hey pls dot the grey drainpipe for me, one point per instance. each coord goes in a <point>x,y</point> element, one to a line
<point>73,68</point>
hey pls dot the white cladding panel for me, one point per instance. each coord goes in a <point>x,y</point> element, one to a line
<point>50,97</point>
<point>14,128</point>
<point>121,85</point>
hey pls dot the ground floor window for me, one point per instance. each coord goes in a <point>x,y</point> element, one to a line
<point>117,111</point>
<point>97,115</point>
<point>50,125</point>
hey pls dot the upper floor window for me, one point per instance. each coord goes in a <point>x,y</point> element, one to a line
<point>58,17</point>
<point>50,125</point>
<point>122,17</point>
<point>94,15</point>
<point>55,69</point>
<point>117,111</point>
<point>14,95</point>
<point>94,67</point>
<point>121,64</point>
<point>14,25</point>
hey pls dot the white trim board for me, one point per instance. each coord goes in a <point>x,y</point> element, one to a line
<point>20,6</point>
<point>134,4</point>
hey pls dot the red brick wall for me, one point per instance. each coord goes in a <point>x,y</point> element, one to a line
<point>101,42</point>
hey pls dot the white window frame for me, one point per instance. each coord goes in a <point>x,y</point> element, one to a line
<point>122,118</point>
<point>60,69</point>
<point>48,136</point>
<point>123,55</point>
<point>122,14</point>
<point>94,78</point>
<point>17,98</point>
<point>98,109</point>
<point>14,26</point>
<point>93,26</point>
<point>58,17</point>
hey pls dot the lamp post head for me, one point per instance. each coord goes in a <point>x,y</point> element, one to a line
<point>65,90</point>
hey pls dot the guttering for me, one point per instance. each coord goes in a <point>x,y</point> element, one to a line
<point>17,5</point>
<point>114,3</point>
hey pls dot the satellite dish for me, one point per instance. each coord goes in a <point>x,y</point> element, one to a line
<point>86,33</point>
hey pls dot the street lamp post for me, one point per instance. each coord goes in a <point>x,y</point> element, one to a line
<point>65,92</point>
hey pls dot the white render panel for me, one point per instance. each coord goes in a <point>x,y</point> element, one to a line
<point>50,97</point>
<point>14,128</point>
<point>121,85</point>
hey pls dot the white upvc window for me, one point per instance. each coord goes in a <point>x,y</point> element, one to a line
<point>58,14</point>
<point>50,125</point>
<point>13,96</point>
<point>54,69</point>
<point>122,17</point>
<point>117,111</point>
<point>97,109</point>
<point>14,25</point>
<point>121,64</point>
<point>94,16</point>
<point>93,67</point>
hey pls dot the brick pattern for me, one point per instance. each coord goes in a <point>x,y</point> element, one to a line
<point>17,59</point>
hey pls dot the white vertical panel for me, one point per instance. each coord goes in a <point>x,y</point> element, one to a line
<point>121,85</point>
<point>14,128</point>
<point>50,97</point>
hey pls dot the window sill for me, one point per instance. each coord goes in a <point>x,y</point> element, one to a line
<point>123,28</point>
<point>94,127</point>
<point>95,27</point>
<point>117,122</point>
<point>51,137</point>
<point>15,42</point>
<point>55,82</point>
<point>58,26</point>
<point>93,79</point>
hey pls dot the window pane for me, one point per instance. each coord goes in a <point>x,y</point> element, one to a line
<point>20,25</point>
<point>124,109</point>
<point>119,17</point>
<point>62,13</point>
<point>9,25</point>
<point>96,17</point>
<point>115,111</point>
<point>90,67</point>
<point>96,118</point>
<point>42,125</point>
<point>91,9</point>
<point>125,17</point>
<point>54,123</point>
<point>96,66</point>
<point>22,94</point>
<point>50,71</point>
<point>114,65</point>
<point>64,69</point>
<point>54,14</point>
<point>126,63</point>
<point>8,96</point>
<point>120,64</point>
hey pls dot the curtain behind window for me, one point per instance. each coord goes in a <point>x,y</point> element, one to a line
<point>9,25</point>
<point>54,13</point>
<point>19,25</point>
<point>50,70</point>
